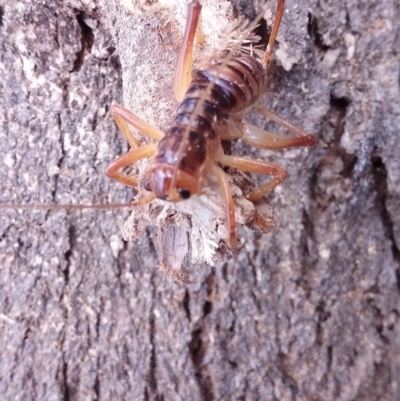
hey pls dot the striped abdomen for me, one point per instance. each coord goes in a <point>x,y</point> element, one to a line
<point>200,120</point>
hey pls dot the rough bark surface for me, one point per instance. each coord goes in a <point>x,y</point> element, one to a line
<point>307,312</point>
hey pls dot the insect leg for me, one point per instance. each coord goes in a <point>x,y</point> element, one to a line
<point>223,182</point>
<point>183,68</point>
<point>262,223</point>
<point>128,158</point>
<point>256,166</point>
<point>278,17</point>
<point>269,140</point>
<point>122,116</point>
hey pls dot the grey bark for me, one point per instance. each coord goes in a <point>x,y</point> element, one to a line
<point>309,311</point>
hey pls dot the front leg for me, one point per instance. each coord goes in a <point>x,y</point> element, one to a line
<point>123,117</point>
<point>256,166</point>
<point>230,220</point>
<point>131,157</point>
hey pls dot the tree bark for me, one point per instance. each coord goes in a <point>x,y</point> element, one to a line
<point>309,311</point>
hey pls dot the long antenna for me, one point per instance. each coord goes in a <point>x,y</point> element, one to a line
<point>54,206</point>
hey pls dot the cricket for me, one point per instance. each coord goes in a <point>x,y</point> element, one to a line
<point>214,103</point>
<point>189,157</point>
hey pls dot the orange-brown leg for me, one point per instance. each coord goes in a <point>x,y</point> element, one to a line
<point>262,223</point>
<point>183,68</point>
<point>200,38</point>
<point>269,140</point>
<point>116,111</point>
<point>223,182</point>
<point>123,117</point>
<point>278,17</point>
<point>128,158</point>
<point>256,166</point>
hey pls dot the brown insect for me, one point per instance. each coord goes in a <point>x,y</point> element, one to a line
<point>213,105</point>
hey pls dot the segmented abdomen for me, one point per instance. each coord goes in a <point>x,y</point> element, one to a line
<point>236,86</point>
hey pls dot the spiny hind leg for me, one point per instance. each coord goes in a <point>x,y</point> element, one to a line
<point>256,166</point>
<point>223,183</point>
<point>269,140</point>
<point>183,68</point>
<point>280,7</point>
<point>131,157</point>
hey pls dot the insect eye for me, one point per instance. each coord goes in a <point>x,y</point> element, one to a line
<point>184,193</point>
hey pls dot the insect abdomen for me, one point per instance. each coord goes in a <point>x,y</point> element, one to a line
<point>236,86</point>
